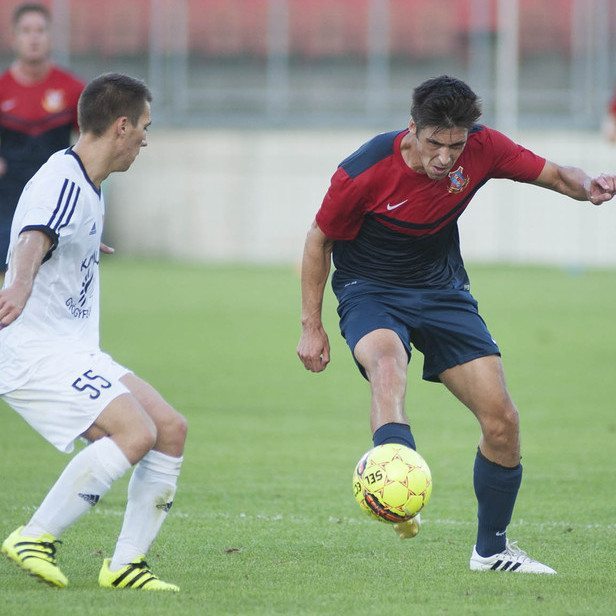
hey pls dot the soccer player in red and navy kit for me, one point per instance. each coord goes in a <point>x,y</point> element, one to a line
<point>38,111</point>
<point>389,220</point>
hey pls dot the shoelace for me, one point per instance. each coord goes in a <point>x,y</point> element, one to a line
<point>143,565</point>
<point>135,579</point>
<point>514,551</point>
<point>140,565</point>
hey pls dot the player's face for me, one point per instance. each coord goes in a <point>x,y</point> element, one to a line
<point>32,40</point>
<point>135,138</point>
<point>435,150</point>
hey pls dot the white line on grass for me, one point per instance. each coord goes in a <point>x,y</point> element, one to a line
<point>295,519</point>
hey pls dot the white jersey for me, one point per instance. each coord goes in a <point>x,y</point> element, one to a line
<point>63,309</point>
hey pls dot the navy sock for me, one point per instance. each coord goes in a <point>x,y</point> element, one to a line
<point>394,433</point>
<point>496,488</point>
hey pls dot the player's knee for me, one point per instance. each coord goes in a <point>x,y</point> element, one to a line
<point>502,430</point>
<point>179,428</point>
<point>173,429</point>
<point>387,370</point>
<point>511,420</point>
<point>145,439</point>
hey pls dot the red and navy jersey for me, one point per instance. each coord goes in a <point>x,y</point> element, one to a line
<point>394,225</point>
<point>35,121</point>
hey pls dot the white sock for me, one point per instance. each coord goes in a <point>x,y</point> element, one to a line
<point>86,478</point>
<point>150,496</point>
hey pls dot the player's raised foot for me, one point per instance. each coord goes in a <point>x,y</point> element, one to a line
<point>36,555</point>
<point>136,575</point>
<point>410,528</point>
<point>512,559</point>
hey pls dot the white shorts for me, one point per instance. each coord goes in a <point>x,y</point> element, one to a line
<point>67,393</point>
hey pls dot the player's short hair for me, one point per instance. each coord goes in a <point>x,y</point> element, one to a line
<point>109,97</point>
<point>31,7</point>
<point>445,102</point>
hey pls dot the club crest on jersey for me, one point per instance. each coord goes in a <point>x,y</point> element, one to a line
<point>458,180</point>
<point>53,101</point>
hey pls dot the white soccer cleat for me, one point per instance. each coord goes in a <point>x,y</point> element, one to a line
<point>408,529</point>
<point>512,559</point>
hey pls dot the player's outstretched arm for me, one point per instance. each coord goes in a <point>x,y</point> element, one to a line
<point>575,183</point>
<point>30,250</point>
<point>313,347</point>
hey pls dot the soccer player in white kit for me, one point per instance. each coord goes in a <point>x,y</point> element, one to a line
<point>52,370</point>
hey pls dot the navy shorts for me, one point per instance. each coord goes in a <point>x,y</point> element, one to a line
<point>443,324</point>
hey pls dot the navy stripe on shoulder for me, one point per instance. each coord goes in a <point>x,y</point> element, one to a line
<point>59,203</point>
<point>370,153</point>
<point>476,128</point>
<point>63,202</point>
<point>67,220</point>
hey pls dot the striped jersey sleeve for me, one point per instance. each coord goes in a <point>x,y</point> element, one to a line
<point>65,206</point>
<point>52,206</point>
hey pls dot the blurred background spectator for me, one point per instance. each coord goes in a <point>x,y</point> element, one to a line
<point>38,109</point>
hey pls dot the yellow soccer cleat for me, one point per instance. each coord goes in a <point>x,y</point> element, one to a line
<point>410,528</point>
<point>36,555</point>
<point>135,575</point>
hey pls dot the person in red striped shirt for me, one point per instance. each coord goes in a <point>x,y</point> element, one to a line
<point>38,110</point>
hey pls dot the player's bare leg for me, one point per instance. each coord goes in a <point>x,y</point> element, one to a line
<point>125,421</point>
<point>480,385</point>
<point>385,361</point>
<point>171,426</point>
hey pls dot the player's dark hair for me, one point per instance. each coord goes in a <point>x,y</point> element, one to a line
<point>109,97</point>
<point>31,7</point>
<point>445,102</point>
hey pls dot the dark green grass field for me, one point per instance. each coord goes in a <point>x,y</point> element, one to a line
<point>264,520</point>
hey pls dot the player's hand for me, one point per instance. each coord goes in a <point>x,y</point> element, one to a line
<point>600,189</point>
<point>108,250</point>
<point>313,348</point>
<point>12,302</point>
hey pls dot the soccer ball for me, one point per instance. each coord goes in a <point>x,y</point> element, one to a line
<point>392,483</point>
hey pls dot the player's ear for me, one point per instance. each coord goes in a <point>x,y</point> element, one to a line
<point>412,127</point>
<point>121,124</point>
